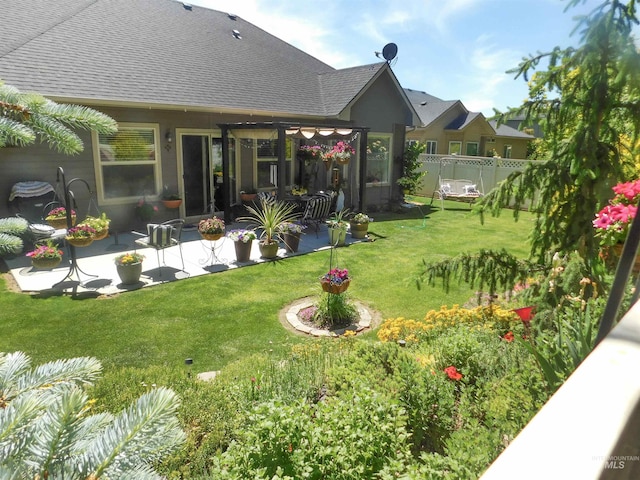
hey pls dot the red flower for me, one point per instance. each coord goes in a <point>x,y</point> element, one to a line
<point>508,336</point>
<point>452,373</point>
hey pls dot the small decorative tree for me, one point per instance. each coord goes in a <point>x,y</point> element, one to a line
<point>411,168</point>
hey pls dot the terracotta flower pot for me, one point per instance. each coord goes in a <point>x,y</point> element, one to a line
<point>335,289</point>
<point>172,203</point>
<point>359,230</point>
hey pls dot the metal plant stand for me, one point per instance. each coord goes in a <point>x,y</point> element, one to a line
<point>69,198</point>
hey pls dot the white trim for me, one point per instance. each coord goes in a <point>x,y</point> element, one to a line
<point>477,144</point>
<point>102,200</point>
<point>388,136</point>
<point>451,142</point>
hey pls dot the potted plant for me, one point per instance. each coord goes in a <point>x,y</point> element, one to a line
<point>359,225</point>
<point>57,217</point>
<point>337,227</point>
<point>80,236</point>
<point>129,267</point>
<point>99,224</point>
<point>169,199</point>
<point>613,221</point>
<point>309,152</point>
<point>46,255</point>
<point>248,195</point>
<point>341,153</point>
<point>211,228</point>
<point>145,210</point>
<point>242,241</point>
<point>335,281</point>
<point>291,232</point>
<point>268,218</point>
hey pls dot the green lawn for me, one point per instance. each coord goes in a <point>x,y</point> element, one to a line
<point>218,318</point>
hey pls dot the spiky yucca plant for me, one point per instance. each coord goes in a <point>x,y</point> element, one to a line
<point>46,431</point>
<point>269,217</point>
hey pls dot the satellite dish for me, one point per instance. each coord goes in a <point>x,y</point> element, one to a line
<point>390,51</point>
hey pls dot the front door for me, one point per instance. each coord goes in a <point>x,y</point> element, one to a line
<point>202,174</point>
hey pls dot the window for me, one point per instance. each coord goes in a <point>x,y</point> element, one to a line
<point>378,158</point>
<point>455,148</point>
<point>472,148</point>
<point>507,151</point>
<point>432,147</point>
<point>267,163</point>
<point>128,163</point>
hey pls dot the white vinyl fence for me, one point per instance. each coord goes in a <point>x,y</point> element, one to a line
<point>485,172</point>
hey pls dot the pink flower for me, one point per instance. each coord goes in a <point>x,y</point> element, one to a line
<point>629,190</point>
<point>508,337</point>
<point>612,222</point>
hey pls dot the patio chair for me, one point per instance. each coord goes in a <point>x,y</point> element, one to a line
<point>32,200</point>
<point>317,210</point>
<point>161,236</point>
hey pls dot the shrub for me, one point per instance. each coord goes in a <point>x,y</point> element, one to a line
<point>350,437</point>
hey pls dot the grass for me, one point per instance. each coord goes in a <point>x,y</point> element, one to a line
<point>216,319</point>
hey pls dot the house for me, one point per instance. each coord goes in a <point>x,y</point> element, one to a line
<point>207,105</point>
<point>448,128</point>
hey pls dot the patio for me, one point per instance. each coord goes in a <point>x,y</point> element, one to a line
<point>98,273</point>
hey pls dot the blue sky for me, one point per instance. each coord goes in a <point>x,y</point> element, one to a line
<point>453,49</point>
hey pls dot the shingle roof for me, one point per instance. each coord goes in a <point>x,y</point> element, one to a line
<point>340,87</point>
<point>158,52</point>
<point>462,121</point>
<point>507,131</point>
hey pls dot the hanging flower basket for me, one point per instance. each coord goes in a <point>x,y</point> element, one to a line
<point>59,223</point>
<point>344,160</point>
<point>45,262</point>
<point>80,236</point>
<point>57,218</point>
<point>79,242</point>
<point>335,288</point>
<point>101,235</point>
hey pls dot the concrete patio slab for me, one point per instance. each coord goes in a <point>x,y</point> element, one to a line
<point>97,273</point>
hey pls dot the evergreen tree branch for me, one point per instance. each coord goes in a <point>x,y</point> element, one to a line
<point>490,270</point>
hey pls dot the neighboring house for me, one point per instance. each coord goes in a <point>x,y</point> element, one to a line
<point>180,80</point>
<point>448,128</point>
<point>517,122</point>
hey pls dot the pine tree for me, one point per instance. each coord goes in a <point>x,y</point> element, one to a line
<point>588,100</point>
<point>46,431</point>
<point>27,116</point>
